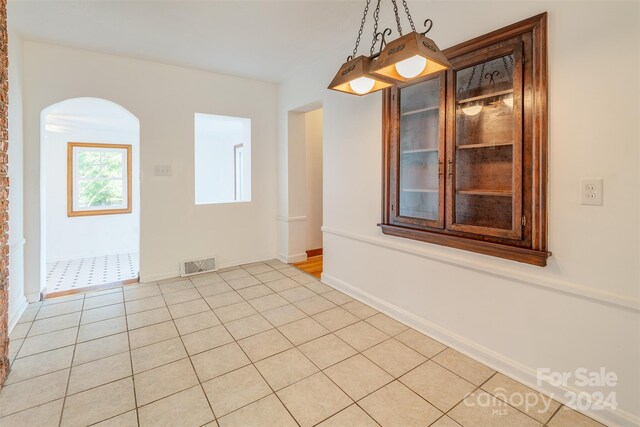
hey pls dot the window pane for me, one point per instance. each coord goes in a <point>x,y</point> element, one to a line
<point>419,150</point>
<point>485,124</point>
<point>98,193</point>
<point>100,164</point>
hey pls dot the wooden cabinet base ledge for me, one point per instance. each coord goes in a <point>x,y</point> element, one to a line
<point>465,150</point>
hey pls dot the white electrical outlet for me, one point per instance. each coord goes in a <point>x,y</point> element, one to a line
<point>591,192</point>
<point>162,170</point>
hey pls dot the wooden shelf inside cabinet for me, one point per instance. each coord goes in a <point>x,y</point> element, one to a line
<point>421,110</point>
<point>419,190</point>
<point>420,150</point>
<point>497,193</point>
<point>483,145</point>
<point>485,96</point>
<point>416,213</point>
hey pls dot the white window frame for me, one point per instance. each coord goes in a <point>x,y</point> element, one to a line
<point>238,171</point>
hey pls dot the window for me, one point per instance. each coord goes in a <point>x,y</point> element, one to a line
<point>238,154</point>
<point>222,159</point>
<point>98,179</point>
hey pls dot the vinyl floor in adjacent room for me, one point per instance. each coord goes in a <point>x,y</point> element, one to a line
<point>261,345</point>
<point>79,273</point>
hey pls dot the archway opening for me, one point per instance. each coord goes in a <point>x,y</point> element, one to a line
<point>90,195</point>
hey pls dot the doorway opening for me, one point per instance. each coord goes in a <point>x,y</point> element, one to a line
<point>310,172</point>
<point>90,195</point>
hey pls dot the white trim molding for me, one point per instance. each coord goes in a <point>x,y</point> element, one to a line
<point>289,259</point>
<point>552,284</point>
<point>17,313</point>
<point>498,362</point>
<point>292,218</point>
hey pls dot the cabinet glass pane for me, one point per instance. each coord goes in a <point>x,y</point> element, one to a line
<point>419,150</point>
<point>484,149</point>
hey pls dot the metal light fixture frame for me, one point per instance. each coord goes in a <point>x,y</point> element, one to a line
<point>380,66</point>
<point>408,46</point>
<point>354,69</point>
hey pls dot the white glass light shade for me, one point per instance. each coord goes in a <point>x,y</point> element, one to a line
<point>411,67</point>
<point>362,85</point>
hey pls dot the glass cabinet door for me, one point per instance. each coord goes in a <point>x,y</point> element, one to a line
<point>485,160</point>
<point>420,150</point>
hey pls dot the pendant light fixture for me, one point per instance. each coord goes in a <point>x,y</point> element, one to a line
<point>354,76</point>
<point>411,56</point>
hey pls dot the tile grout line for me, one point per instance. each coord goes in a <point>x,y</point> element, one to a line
<point>294,346</point>
<point>15,357</point>
<point>273,328</point>
<point>133,378</point>
<point>252,364</point>
<point>198,290</point>
<point>361,353</point>
<point>276,328</point>
<point>173,320</point>
<point>555,413</point>
<point>320,370</point>
<point>66,390</point>
<point>289,303</point>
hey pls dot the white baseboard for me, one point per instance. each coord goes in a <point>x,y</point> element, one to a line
<point>17,313</point>
<point>288,259</point>
<point>291,218</point>
<point>33,296</point>
<point>509,367</point>
<point>144,278</point>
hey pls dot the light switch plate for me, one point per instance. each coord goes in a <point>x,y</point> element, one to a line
<point>591,192</point>
<point>162,170</point>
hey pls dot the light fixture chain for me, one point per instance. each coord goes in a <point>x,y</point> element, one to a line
<point>406,9</point>
<point>376,17</point>
<point>364,19</point>
<point>506,66</point>
<point>473,72</point>
<point>395,11</point>
<point>481,74</point>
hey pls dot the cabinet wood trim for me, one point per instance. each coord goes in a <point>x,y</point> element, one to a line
<point>513,253</point>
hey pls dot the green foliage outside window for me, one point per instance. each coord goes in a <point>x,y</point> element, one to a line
<point>100,179</point>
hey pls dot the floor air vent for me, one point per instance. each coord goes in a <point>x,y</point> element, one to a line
<point>198,266</point>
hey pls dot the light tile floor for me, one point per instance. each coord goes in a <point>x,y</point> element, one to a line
<point>91,271</point>
<point>260,345</point>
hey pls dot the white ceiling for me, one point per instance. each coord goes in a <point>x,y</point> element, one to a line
<point>264,40</point>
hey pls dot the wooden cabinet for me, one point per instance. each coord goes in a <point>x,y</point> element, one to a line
<point>465,150</point>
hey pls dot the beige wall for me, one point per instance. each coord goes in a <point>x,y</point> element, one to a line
<point>164,98</point>
<point>583,309</point>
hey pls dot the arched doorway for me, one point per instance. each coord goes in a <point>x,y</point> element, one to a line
<point>90,194</point>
